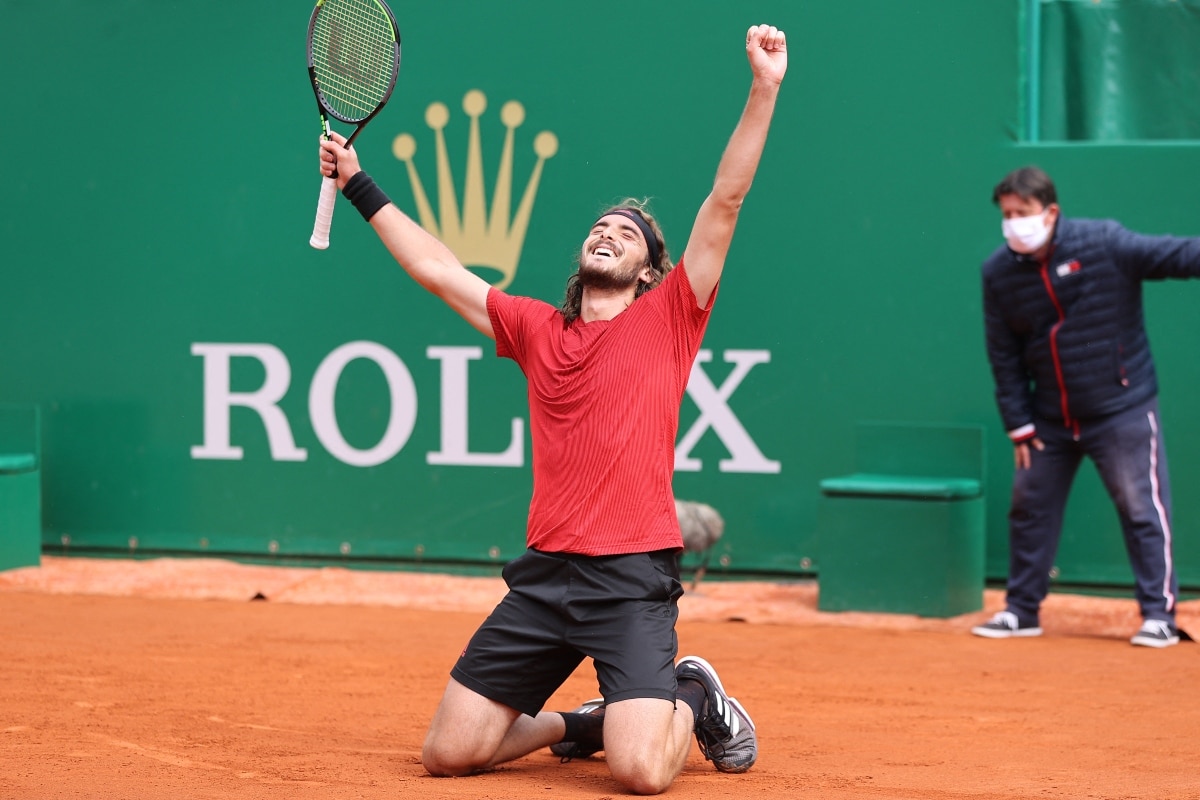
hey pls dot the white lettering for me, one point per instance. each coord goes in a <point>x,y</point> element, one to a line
<point>716,414</point>
<point>324,417</point>
<point>218,399</point>
<point>712,401</point>
<point>454,416</point>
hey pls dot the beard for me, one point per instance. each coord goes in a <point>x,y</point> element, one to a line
<point>608,280</point>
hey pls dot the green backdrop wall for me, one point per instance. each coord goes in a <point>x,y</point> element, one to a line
<point>162,180</point>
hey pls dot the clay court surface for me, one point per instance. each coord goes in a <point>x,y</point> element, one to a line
<point>163,679</point>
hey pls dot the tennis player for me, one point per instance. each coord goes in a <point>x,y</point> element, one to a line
<point>606,375</point>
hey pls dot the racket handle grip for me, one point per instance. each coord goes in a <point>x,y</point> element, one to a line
<point>320,234</point>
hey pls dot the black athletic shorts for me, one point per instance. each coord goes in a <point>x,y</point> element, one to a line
<point>620,611</point>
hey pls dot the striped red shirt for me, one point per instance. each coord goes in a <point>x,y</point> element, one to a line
<point>604,403</point>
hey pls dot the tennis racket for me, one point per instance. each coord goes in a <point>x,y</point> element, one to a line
<point>353,58</point>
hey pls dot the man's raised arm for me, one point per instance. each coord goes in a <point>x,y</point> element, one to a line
<point>422,255</point>
<point>712,232</point>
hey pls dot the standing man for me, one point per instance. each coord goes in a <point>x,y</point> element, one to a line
<point>606,374</point>
<point>1074,377</point>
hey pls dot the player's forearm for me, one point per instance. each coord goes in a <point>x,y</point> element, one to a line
<point>420,253</point>
<point>431,264</point>
<point>739,162</point>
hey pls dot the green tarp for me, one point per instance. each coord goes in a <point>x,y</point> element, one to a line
<point>1117,70</point>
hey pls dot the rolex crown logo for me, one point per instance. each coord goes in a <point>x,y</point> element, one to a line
<point>477,238</point>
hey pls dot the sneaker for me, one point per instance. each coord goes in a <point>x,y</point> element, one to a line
<point>568,750</point>
<point>724,730</point>
<point>1005,625</point>
<point>1156,633</point>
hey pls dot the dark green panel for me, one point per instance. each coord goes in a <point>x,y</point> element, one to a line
<point>166,191</point>
<point>901,556</point>
<point>1119,69</point>
<point>20,486</point>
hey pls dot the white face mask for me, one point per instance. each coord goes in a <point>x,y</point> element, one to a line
<point>1027,234</point>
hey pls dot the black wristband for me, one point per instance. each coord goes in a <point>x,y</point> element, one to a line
<point>365,195</point>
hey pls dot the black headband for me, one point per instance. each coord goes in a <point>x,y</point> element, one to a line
<point>644,227</point>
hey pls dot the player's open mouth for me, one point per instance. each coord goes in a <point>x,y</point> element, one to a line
<point>604,250</point>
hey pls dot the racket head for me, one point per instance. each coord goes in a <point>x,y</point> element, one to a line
<point>353,57</point>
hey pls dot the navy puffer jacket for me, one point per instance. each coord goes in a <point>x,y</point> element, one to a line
<point>1066,337</point>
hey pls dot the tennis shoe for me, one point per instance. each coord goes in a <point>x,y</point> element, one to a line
<point>724,731</point>
<point>1005,625</point>
<point>1156,633</point>
<point>569,750</point>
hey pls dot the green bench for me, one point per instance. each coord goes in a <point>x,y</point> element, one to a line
<point>905,532</point>
<point>20,487</point>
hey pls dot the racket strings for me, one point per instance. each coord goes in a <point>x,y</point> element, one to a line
<point>353,51</point>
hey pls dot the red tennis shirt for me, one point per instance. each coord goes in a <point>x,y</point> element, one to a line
<point>604,403</point>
